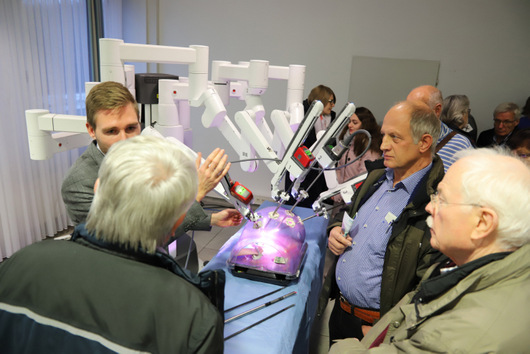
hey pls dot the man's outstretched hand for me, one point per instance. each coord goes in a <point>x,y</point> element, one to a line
<point>211,171</point>
<point>226,218</point>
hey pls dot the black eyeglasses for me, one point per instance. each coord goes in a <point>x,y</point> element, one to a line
<point>505,122</point>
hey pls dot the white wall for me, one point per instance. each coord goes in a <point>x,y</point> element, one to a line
<point>483,47</point>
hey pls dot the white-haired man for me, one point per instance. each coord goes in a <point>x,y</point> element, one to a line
<point>481,305</point>
<point>449,142</point>
<point>109,289</point>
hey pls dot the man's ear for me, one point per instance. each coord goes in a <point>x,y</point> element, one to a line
<point>90,131</point>
<point>486,224</point>
<point>438,110</point>
<point>425,143</point>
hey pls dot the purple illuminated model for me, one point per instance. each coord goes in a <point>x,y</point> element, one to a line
<point>272,249</point>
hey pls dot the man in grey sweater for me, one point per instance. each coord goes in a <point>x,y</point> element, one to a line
<point>112,116</point>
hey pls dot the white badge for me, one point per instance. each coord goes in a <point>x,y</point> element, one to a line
<point>347,223</point>
<point>389,218</point>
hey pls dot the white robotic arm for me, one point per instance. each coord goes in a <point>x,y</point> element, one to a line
<point>291,118</point>
<point>248,81</point>
<point>195,89</point>
<point>295,76</point>
<point>70,133</point>
<point>346,190</point>
<point>292,160</point>
<point>325,155</point>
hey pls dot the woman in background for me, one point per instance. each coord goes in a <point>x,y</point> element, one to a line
<point>325,95</point>
<point>455,113</point>
<point>361,119</point>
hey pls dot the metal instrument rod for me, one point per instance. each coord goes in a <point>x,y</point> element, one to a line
<point>248,312</point>
<point>256,299</point>
<point>328,209</point>
<point>311,185</point>
<point>310,217</point>
<point>257,323</point>
<point>278,207</point>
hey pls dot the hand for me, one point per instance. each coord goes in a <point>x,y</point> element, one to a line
<point>365,329</point>
<point>226,218</point>
<point>337,243</point>
<point>212,170</point>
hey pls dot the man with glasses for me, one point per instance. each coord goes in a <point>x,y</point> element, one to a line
<point>479,303</point>
<point>386,250</point>
<point>505,119</point>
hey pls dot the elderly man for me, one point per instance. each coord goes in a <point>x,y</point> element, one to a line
<point>109,288</point>
<point>481,305</point>
<point>386,250</point>
<point>112,116</point>
<point>449,142</point>
<point>505,120</point>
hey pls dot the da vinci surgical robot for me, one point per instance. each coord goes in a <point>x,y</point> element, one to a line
<point>272,243</point>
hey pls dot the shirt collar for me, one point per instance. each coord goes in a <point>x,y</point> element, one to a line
<point>411,181</point>
<point>97,145</point>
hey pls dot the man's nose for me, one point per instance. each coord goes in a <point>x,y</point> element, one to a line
<point>384,144</point>
<point>122,135</point>
<point>429,208</point>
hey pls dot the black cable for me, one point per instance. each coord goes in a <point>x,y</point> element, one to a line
<point>354,160</point>
<point>256,159</point>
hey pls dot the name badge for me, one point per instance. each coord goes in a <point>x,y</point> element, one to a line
<point>389,218</point>
<point>347,223</point>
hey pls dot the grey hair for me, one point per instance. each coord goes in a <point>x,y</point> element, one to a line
<point>454,109</point>
<point>508,107</point>
<point>145,185</point>
<point>435,98</point>
<point>423,121</point>
<point>490,181</point>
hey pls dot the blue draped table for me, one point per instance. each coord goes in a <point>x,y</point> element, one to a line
<point>289,331</point>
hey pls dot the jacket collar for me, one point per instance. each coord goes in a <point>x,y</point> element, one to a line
<point>95,152</point>
<point>440,283</point>
<point>481,275</point>
<point>158,259</point>
<point>211,283</point>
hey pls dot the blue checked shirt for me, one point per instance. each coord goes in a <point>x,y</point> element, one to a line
<point>359,269</point>
<point>448,151</point>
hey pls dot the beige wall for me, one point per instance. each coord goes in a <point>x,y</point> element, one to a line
<point>482,45</point>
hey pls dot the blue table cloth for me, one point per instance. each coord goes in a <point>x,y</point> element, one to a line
<point>289,331</point>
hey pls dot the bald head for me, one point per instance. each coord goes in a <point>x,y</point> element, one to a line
<point>429,95</point>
